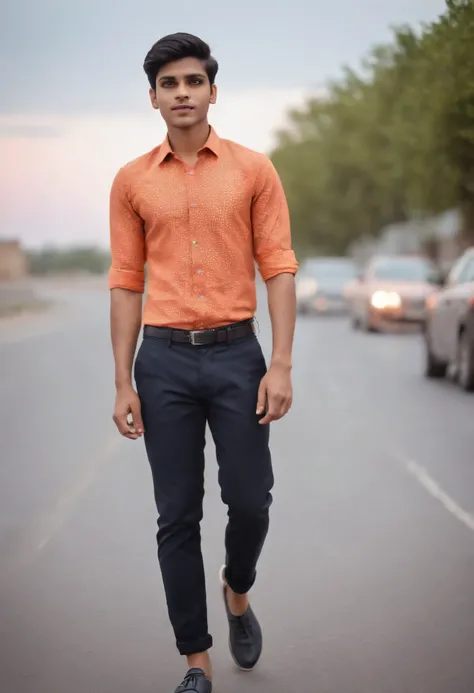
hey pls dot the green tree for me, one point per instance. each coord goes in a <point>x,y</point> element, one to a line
<point>392,142</point>
<point>51,260</point>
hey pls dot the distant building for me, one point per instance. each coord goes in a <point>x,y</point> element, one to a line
<point>13,261</point>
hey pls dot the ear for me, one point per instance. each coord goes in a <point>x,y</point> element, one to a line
<point>213,98</point>
<point>153,99</point>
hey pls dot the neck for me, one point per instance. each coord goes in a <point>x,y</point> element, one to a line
<point>187,142</point>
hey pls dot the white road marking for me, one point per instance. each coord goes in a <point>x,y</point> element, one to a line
<point>435,490</point>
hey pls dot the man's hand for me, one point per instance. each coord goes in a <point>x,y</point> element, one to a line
<point>275,394</point>
<point>127,413</point>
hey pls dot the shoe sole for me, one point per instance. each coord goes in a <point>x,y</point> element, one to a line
<point>241,668</point>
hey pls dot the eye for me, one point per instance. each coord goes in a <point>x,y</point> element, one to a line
<point>196,81</point>
<point>167,83</point>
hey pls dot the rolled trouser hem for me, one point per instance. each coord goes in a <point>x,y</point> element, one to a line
<point>239,587</point>
<point>190,647</point>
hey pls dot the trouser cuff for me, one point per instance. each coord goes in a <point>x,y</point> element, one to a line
<point>239,586</point>
<point>190,647</point>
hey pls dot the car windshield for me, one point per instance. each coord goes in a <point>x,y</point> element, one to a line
<point>405,269</point>
<point>336,270</point>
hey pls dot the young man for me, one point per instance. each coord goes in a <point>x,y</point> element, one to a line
<point>199,210</point>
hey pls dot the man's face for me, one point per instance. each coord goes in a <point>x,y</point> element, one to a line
<point>183,93</point>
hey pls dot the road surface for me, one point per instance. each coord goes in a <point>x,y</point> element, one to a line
<point>366,584</point>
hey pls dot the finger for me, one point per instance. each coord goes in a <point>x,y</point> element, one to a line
<point>132,436</point>
<point>121,422</point>
<point>137,422</point>
<point>124,427</point>
<point>270,415</point>
<point>277,415</point>
<point>278,407</point>
<point>268,418</point>
<point>262,397</point>
<point>284,408</point>
<point>273,405</point>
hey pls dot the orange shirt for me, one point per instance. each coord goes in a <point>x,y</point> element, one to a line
<point>199,231</point>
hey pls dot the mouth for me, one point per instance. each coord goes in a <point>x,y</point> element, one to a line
<point>183,107</point>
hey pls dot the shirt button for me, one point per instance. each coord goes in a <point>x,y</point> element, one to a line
<point>193,204</point>
<point>200,297</point>
<point>195,243</point>
<point>198,271</point>
<point>191,172</point>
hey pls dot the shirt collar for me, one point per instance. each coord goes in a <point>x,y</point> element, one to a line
<point>213,144</point>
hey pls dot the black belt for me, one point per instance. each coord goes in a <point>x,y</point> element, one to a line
<point>227,333</point>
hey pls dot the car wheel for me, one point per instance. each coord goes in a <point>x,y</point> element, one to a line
<point>465,362</point>
<point>434,368</point>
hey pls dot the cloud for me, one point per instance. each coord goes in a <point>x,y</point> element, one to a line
<point>86,56</point>
<point>29,131</point>
<point>56,189</point>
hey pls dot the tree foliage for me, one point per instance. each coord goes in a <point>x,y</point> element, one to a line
<point>392,142</point>
<point>51,260</point>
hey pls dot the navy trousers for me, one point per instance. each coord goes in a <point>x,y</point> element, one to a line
<point>182,387</point>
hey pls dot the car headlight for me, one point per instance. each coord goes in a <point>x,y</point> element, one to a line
<point>386,299</point>
<point>306,287</point>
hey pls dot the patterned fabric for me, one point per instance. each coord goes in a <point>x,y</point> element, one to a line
<point>199,230</point>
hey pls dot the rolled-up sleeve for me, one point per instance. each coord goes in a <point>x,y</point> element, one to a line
<point>271,224</point>
<point>127,240</point>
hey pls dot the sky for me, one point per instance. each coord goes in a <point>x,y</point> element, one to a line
<point>74,103</point>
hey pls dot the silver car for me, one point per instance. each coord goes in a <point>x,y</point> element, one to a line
<point>449,325</point>
<point>392,289</point>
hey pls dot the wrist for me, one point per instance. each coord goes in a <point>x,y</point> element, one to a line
<point>123,382</point>
<point>282,362</point>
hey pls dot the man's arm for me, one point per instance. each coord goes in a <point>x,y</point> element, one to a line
<point>282,308</point>
<point>275,394</point>
<point>278,266</point>
<point>125,323</point>
<point>126,282</point>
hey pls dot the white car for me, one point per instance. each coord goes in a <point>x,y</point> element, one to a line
<point>392,289</point>
<point>449,327</point>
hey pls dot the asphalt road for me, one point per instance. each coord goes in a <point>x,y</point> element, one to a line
<point>366,584</point>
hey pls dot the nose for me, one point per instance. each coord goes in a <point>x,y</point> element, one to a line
<point>182,91</point>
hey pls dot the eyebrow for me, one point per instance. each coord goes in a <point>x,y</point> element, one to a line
<point>196,74</point>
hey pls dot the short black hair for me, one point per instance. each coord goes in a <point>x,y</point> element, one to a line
<point>176,47</point>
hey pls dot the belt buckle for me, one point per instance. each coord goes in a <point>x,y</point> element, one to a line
<point>192,337</point>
